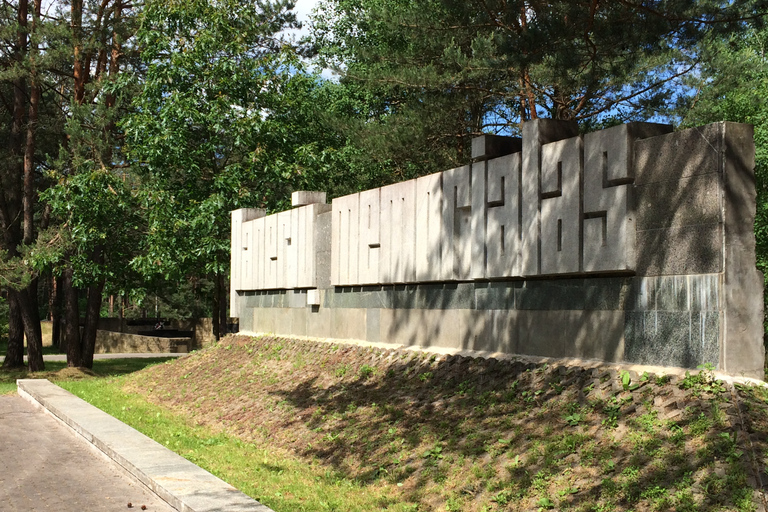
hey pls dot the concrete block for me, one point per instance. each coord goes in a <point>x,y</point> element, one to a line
<point>743,350</point>
<point>304,197</point>
<point>609,242</point>
<point>238,217</point>
<point>344,269</point>
<point>323,255</point>
<point>369,236</point>
<point>373,325</point>
<point>502,232</point>
<point>248,256</point>
<point>429,227</point>
<point>686,202</point>
<point>313,297</point>
<point>561,206</point>
<point>319,322</point>
<point>259,253</point>
<point>478,219</point>
<point>456,254</point>
<point>397,261</point>
<point>578,334</point>
<point>535,134</point>
<point>488,146</point>
<point>289,243</point>
<point>677,155</point>
<point>682,250</point>
<point>272,252</point>
<point>305,246</point>
<point>348,324</point>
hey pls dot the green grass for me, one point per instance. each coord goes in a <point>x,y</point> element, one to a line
<point>273,477</point>
<point>102,368</point>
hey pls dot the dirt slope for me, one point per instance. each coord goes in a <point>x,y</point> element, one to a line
<point>475,434</point>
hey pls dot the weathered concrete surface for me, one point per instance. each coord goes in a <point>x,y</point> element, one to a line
<point>180,483</point>
<point>119,342</point>
<point>43,466</point>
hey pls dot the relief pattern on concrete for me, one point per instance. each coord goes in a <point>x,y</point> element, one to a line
<point>558,207</point>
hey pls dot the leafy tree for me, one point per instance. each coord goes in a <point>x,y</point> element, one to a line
<point>733,86</point>
<point>219,124</point>
<point>432,74</point>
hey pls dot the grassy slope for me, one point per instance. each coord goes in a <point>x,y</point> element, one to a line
<point>404,431</point>
<point>57,371</point>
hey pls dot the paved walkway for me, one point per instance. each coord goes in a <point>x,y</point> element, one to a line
<point>44,467</point>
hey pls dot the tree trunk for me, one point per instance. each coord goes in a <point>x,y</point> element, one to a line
<point>14,354</point>
<point>92,315</point>
<point>71,332</point>
<point>79,70</point>
<point>55,305</point>
<point>29,150</point>
<point>30,316</point>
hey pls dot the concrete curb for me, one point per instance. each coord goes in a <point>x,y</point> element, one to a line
<point>185,486</point>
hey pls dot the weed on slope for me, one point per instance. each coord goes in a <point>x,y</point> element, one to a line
<point>456,433</point>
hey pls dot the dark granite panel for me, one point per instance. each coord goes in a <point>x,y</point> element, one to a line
<point>495,295</point>
<point>705,333</point>
<point>435,296</point>
<point>703,292</point>
<point>605,293</point>
<point>561,294</point>
<point>359,297</point>
<point>671,293</point>
<point>641,294</point>
<point>671,338</point>
<point>678,251</point>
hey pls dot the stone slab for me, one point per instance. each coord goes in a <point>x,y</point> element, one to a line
<point>673,338</point>
<point>488,146</point>
<point>182,484</point>
<point>369,237</point>
<point>535,134</point>
<point>429,227</point>
<point>561,207</point>
<point>609,224</point>
<point>305,197</point>
<point>456,254</point>
<point>680,250</point>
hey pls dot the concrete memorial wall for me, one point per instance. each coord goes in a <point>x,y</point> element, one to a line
<point>631,244</point>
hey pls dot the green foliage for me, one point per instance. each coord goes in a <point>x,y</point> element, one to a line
<point>702,382</point>
<point>212,129</point>
<point>732,86</point>
<point>420,78</point>
<point>99,230</point>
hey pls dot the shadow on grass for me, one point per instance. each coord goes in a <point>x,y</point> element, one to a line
<point>507,425</point>
<point>58,371</point>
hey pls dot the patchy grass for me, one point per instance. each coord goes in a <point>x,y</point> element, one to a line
<point>270,474</point>
<point>397,430</point>
<point>57,371</point>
